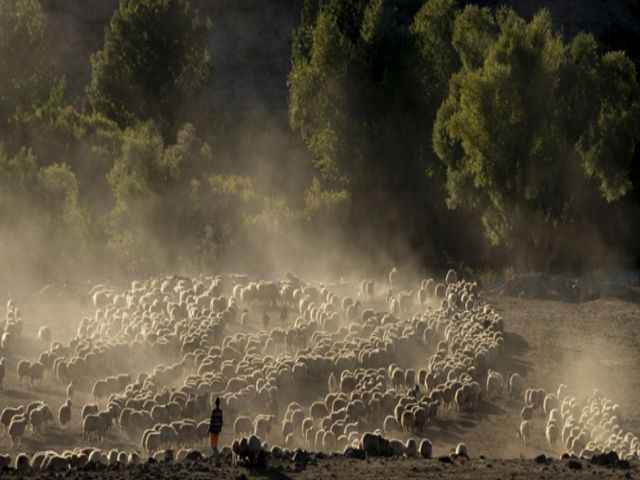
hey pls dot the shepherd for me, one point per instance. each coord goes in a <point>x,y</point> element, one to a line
<point>215,427</point>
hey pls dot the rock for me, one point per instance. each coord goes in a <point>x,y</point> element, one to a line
<point>301,457</point>
<point>541,458</point>
<point>574,465</point>
<point>609,459</point>
<point>194,455</point>
<point>445,459</point>
<point>356,453</point>
<point>624,464</point>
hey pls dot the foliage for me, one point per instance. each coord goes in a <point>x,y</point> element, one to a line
<point>521,145</point>
<point>25,68</point>
<point>526,136</point>
<point>361,97</point>
<point>40,213</point>
<point>154,61</point>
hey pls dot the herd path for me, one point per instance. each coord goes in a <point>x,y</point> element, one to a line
<point>589,345</point>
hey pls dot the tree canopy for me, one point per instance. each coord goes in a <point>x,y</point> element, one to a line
<point>154,62</point>
<point>531,126</point>
<point>25,67</point>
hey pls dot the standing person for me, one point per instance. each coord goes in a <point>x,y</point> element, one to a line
<point>215,427</point>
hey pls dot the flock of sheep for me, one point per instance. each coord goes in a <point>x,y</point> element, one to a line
<point>584,429</point>
<point>299,366</point>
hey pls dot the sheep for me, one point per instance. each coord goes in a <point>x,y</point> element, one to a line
<point>23,370</point>
<point>89,409</point>
<point>93,427</point>
<point>44,334</point>
<point>515,385</point>
<point>407,421</point>
<point>242,425</point>
<point>370,444</point>
<point>411,448</point>
<point>262,426</point>
<point>550,402</point>
<point>525,431</point>
<point>64,414</point>
<point>494,386</point>
<point>100,390</point>
<point>318,410</point>
<point>390,425</point>
<point>151,441</point>
<point>393,277</point>
<point>2,372</point>
<point>452,277</point>
<point>37,417</point>
<point>461,450</point>
<point>22,464</point>
<point>35,372</point>
<point>134,458</point>
<point>56,463</point>
<point>70,390</point>
<point>551,434</point>
<point>17,428</point>
<point>527,412</point>
<point>426,449</point>
<point>8,413</point>
<point>7,341</point>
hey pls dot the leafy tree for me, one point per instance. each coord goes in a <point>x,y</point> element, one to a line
<point>531,127</point>
<point>162,207</point>
<point>40,214</point>
<point>25,68</point>
<point>359,102</point>
<point>154,62</point>
<point>432,29</point>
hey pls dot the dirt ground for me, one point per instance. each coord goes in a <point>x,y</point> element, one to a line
<point>339,468</point>
<point>588,345</point>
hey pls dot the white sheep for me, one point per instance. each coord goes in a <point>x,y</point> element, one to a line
<point>23,370</point>
<point>551,434</point>
<point>2,372</point>
<point>44,334</point>
<point>93,427</point>
<point>515,385</point>
<point>64,414</point>
<point>426,449</point>
<point>17,428</point>
<point>525,431</point>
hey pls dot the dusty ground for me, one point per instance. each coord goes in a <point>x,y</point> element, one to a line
<point>336,468</point>
<point>589,345</point>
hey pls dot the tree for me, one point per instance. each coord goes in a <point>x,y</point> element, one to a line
<point>25,68</point>
<point>43,226</point>
<point>361,97</point>
<point>531,127</point>
<point>154,62</point>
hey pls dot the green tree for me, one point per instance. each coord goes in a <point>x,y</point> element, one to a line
<point>357,98</point>
<point>41,222</point>
<point>154,62</point>
<point>25,68</point>
<point>161,209</point>
<point>531,127</point>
